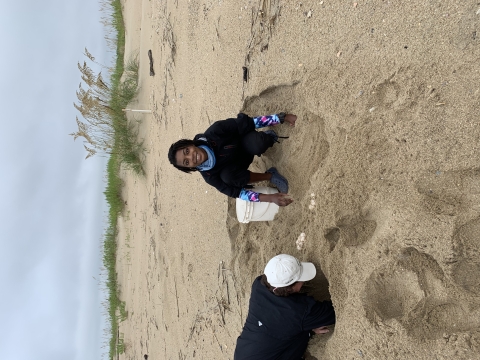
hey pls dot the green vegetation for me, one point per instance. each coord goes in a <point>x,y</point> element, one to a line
<point>106,130</point>
<point>114,304</point>
<point>126,150</point>
<point>126,145</point>
<point>120,346</point>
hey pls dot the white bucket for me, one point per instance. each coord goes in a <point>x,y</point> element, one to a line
<point>257,211</point>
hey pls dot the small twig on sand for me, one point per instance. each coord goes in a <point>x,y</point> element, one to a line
<point>225,280</point>
<point>176,296</point>
<point>218,342</point>
<point>152,73</point>
<point>222,311</point>
<point>192,330</point>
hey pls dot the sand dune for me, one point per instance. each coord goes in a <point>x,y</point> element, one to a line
<point>386,144</point>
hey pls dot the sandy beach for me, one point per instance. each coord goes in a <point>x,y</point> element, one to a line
<point>387,95</point>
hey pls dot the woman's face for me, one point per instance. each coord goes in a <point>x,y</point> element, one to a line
<point>190,156</point>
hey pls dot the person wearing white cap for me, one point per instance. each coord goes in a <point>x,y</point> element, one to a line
<point>280,320</point>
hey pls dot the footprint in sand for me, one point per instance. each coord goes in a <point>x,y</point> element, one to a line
<point>449,192</point>
<point>350,231</point>
<point>466,268</point>
<point>413,291</point>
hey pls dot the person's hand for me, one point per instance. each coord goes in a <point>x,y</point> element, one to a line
<point>281,199</point>
<point>321,330</point>
<point>290,119</point>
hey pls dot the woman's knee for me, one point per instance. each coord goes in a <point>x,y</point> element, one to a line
<point>237,178</point>
<point>256,143</point>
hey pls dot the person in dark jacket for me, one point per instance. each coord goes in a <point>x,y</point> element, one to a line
<point>225,151</point>
<point>280,320</point>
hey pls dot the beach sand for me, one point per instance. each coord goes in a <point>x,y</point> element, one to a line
<point>387,95</point>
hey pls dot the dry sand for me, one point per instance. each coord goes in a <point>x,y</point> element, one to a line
<point>387,95</point>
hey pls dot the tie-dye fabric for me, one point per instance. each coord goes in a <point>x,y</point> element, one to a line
<point>266,120</point>
<point>249,195</point>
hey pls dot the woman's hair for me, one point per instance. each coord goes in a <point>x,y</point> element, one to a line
<point>279,291</point>
<point>179,145</point>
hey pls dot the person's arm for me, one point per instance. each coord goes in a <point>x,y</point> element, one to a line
<point>321,330</point>
<point>249,195</point>
<point>278,198</point>
<point>245,123</point>
<point>275,119</point>
<point>318,315</point>
<point>268,120</point>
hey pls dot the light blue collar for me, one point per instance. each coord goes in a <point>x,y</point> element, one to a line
<point>210,162</point>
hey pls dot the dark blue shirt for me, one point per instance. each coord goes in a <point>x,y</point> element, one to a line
<point>279,327</point>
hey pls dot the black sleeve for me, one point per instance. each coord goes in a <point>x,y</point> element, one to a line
<point>225,129</point>
<point>218,184</point>
<point>318,313</point>
<point>245,124</point>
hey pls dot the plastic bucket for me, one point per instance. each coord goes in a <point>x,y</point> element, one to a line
<point>257,211</point>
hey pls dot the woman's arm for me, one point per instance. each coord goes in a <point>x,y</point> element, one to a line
<point>275,119</point>
<point>278,198</point>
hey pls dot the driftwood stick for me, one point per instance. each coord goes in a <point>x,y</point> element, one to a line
<point>152,73</point>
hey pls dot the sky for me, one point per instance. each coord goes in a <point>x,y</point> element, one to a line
<point>53,212</point>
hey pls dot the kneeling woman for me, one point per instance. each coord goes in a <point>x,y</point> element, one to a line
<point>225,151</point>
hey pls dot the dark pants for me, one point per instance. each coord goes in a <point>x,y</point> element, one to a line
<point>254,143</point>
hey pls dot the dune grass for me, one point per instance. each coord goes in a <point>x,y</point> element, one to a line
<point>126,150</point>
<point>127,146</point>
<point>115,202</point>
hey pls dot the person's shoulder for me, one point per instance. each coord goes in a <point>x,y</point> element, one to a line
<point>215,128</point>
<point>303,299</point>
<point>257,285</point>
<point>200,137</point>
<point>258,281</point>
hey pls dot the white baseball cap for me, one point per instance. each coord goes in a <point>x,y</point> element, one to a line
<point>283,270</point>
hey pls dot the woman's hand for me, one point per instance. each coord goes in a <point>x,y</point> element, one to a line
<point>290,119</point>
<point>278,198</point>
<point>321,330</point>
